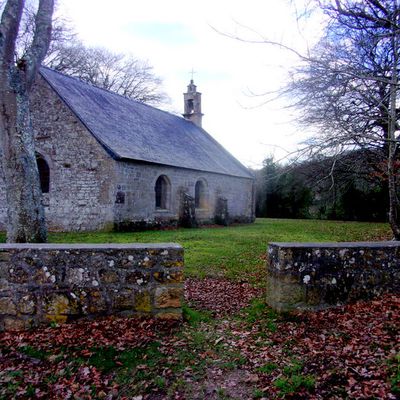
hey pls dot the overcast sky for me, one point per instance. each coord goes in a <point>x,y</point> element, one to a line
<point>176,36</point>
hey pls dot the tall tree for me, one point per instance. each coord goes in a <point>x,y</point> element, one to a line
<point>282,191</point>
<point>18,161</point>
<point>348,86</point>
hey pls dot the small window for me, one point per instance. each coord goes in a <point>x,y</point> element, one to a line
<point>200,194</point>
<point>190,106</point>
<point>120,198</point>
<point>162,192</point>
<point>44,173</point>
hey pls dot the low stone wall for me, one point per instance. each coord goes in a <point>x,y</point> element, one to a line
<point>57,283</point>
<point>319,275</point>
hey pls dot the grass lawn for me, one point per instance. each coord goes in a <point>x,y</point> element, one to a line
<point>237,251</point>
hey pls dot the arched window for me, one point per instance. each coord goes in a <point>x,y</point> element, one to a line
<point>200,194</point>
<point>190,106</point>
<point>162,190</point>
<point>44,173</point>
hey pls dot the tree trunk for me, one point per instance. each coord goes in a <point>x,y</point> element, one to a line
<point>392,184</point>
<point>26,222</point>
<point>18,161</point>
<point>392,122</point>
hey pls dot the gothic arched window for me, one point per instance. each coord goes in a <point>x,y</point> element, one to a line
<point>200,194</point>
<point>44,173</point>
<point>162,192</point>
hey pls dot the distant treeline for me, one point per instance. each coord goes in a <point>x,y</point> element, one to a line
<point>326,188</point>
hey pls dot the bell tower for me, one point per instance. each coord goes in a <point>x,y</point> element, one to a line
<point>192,104</point>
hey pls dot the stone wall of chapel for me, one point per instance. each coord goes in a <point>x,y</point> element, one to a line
<point>80,169</point>
<point>89,190</point>
<point>136,183</point>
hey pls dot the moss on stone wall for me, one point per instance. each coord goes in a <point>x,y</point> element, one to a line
<point>319,275</point>
<point>56,283</point>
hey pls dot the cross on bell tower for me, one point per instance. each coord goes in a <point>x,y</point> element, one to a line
<point>192,103</point>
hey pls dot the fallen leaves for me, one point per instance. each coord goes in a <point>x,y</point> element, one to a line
<point>346,348</point>
<point>220,296</point>
<point>336,353</point>
<point>55,362</point>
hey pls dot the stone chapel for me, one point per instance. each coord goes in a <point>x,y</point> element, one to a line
<point>108,162</point>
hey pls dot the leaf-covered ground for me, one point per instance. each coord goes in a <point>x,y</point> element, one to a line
<point>230,347</point>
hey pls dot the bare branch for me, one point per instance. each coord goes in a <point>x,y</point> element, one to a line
<point>41,40</point>
<point>9,25</point>
<point>120,73</point>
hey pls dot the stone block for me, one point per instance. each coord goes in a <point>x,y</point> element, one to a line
<point>168,276</point>
<point>7,306</point>
<point>17,324</point>
<point>56,318</point>
<point>5,256</point>
<point>170,316</point>
<point>108,276</point>
<point>124,300</point>
<point>59,305</point>
<point>80,277</point>
<point>4,270</point>
<point>4,284</point>
<point>19,274</point>
<point>97,303</point>
<point>138,278</point>
<point>167,297</point>
<point>27,305</point>
<point>142,302</point>
<point>43,276</point>
<point>284,295</point>
<point>147,262</point>
<point>172,263</point>
<point>126,263</point>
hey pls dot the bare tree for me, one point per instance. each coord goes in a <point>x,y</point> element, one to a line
<point>119,73</point>
<point>348,85</point>
<point>18,161</point>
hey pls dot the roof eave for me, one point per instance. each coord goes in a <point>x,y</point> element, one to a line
<point>127,159</point>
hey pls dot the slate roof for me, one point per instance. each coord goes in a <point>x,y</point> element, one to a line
<point>130,130</point>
